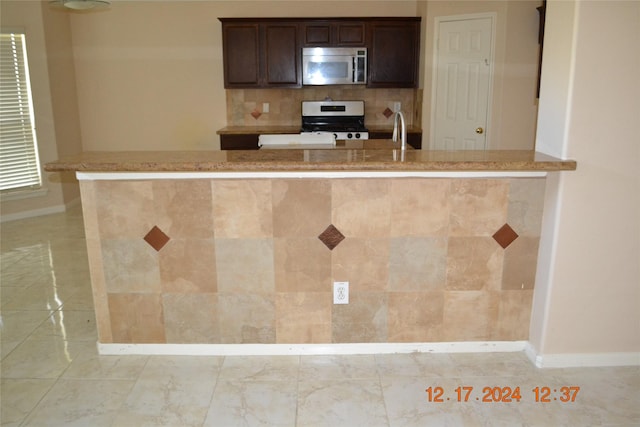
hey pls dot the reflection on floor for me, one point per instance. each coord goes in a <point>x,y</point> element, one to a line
<point>52,375</point>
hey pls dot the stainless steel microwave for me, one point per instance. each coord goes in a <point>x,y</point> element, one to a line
<point>334,65</point>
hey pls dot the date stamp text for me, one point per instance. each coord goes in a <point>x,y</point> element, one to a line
<point>539,394</point>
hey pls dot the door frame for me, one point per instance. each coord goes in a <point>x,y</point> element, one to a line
<point>434,75</point>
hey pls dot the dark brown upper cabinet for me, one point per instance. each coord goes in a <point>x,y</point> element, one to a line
<point>266,52</point>
<point>332,33</point>
<point>282,60</point>
<point>261,54</point>
<point>394,53</point>
<point>241,54</point>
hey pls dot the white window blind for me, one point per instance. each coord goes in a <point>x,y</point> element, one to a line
<point>19,164</point>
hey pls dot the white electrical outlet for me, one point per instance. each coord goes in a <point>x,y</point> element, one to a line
<point>265,107</point>
<point>341,292</point>
<point>397,106</point>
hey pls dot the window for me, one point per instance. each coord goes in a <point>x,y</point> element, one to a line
<point>19,164</point>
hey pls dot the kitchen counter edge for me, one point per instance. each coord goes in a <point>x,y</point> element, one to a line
<point>309,160</point>
<point>276,129</point>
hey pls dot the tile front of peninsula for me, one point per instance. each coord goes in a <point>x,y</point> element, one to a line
<point>180,254</point>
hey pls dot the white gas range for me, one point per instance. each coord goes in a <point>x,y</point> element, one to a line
<point>343,119</point>
<point>323,122</point>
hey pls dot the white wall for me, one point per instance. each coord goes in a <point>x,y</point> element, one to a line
<point>587,298</point>
<point>66,119</point>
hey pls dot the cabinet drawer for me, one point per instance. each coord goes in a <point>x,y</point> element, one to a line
<point>239,142</point>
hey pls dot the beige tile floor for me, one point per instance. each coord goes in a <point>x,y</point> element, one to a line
<point>53,376</point>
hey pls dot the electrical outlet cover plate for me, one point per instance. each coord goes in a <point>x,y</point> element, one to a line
<point>341,292</point>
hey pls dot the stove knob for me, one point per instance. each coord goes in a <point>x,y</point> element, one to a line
<point>357,136</point>
<point>349,135</point>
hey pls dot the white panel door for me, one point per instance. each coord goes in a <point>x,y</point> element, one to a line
<point>463,76</point>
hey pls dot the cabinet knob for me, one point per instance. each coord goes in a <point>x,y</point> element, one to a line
<point>479,131</point>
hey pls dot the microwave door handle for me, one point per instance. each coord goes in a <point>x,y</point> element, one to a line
<point>354,69</point>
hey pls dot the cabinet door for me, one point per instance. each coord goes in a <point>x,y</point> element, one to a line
<point>394,53</point>
<point>316,34</point>
<point>281,55</point>
<point>349,34</point>
<point>241,52</point>
<point>333,33</point>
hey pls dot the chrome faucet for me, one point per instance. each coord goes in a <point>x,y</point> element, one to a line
<point>403,130</point>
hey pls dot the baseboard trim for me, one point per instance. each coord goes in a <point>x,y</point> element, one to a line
<point>540,361</point>
<point>308,349</point>
<point>576,360</point>
<point>40,212</point>
<point>33,213</point>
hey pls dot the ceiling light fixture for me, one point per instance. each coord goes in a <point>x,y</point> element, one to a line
<point>81,4</point>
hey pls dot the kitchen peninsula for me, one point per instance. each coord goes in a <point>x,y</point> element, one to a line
<point>229,248</point>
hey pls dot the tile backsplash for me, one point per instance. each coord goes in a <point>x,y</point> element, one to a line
<point>245,106</point>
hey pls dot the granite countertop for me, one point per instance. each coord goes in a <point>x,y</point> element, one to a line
<point>260,130</point>
<point>281,160</point>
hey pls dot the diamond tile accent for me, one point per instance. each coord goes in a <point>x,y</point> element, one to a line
<point>505,236</point>
<point>387,112</point>
<point>331,237</point>
<point>156,238</point>
<point>256,114</point>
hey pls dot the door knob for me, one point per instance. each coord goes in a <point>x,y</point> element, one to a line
<point>479,131</point>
